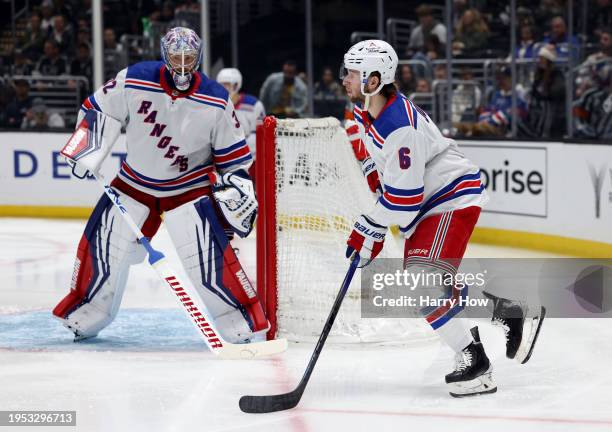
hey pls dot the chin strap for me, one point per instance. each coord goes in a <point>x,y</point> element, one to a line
<point>368,95</point>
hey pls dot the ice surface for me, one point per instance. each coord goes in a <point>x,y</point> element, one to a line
<point>148,371</point>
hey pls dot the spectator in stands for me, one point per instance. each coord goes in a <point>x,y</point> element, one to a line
<point>433,50</point>
<point>440,72</point>
<point>85,10</point>
<point>61,35</point>
<point>329,97</point>
<point>33,41</point>
<point>17,108</point>
<point>83,37</point>
<point>114,54</point>
<point>110,40</point>
<point>40,118</point>
<point>589,70</point>
<point>546,112</point>
<point>167,12</point>
<point>471,34</point>
<point>559,38</point>
<point>495,120</point>
<point>187,6</point>
<point>82,66</point>
<point>21,64</point>
<point>546,10</point>
<point>407,81</point>
<point>592,112</point>
<point>283,93</point>
<point>61,8</point>
<point>459,7</point>
<point>428,25</point>
<point>600,16</point>
<point>528,48</point>
<point>82,24</point>
<point>46,12</point>
<point>467,97</point>
<point>423,86</point>
<point>51,63</point>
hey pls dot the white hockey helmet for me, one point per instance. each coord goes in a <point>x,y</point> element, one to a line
<point>231,76</point>
<point>370,56</point>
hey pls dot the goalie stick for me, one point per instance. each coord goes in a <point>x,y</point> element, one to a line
<point>281,402</point>
<point>198,316</point>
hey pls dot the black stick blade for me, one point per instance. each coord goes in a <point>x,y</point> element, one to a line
<point>268,404</point>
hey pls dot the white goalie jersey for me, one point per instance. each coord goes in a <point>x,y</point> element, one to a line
<point>174,140</point>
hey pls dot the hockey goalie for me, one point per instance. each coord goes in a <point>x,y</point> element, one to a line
<point>187,158</point>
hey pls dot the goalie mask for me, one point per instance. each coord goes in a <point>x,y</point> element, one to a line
<point>371,56</point>
<point>181,51</point>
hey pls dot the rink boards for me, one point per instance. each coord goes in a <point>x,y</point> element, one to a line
<point>544,195</point>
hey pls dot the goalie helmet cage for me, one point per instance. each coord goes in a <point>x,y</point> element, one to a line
<point>310,190</point>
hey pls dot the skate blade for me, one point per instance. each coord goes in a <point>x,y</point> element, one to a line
<point>484,384</point>
<point>532,328</point>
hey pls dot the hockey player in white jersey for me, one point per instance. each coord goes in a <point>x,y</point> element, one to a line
<point>434,194</point>
<point>185,149</point>
<point>249,109</point>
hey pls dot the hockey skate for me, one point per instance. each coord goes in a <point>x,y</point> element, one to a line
<point>473,374</point>
<point>520,330</point>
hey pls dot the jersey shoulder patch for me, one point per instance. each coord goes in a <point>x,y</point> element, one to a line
<point>145,71</point>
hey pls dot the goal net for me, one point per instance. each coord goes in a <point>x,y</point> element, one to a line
<point>310,190</point>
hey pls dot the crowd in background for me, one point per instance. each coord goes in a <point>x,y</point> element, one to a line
<point>57,42</point>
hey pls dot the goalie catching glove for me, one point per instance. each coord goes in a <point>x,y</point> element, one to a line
<point>90,143</point>
<point>235,196</point>
<point>366,240</point>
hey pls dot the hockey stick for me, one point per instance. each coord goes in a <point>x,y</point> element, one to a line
<point>281,402</point>
<point>196,313</point>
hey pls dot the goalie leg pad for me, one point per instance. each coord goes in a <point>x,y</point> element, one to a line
<point>105,253</point>
<point>215,271</point>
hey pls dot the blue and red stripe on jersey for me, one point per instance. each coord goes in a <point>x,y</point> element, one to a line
<point>140,84</point>
<point>90,103</point>
<point>410,111</point>
<point>399,112</point>
<point>236,154</point>
<point>195,176</point>
<point>402,199</point>
<point>468,184</point>
<point>378,140</point>
<point>208,100</point>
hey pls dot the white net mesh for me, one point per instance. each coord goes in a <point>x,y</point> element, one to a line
<point>320,192</point>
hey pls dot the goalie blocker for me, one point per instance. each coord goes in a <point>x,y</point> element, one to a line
<point>108,247</point>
